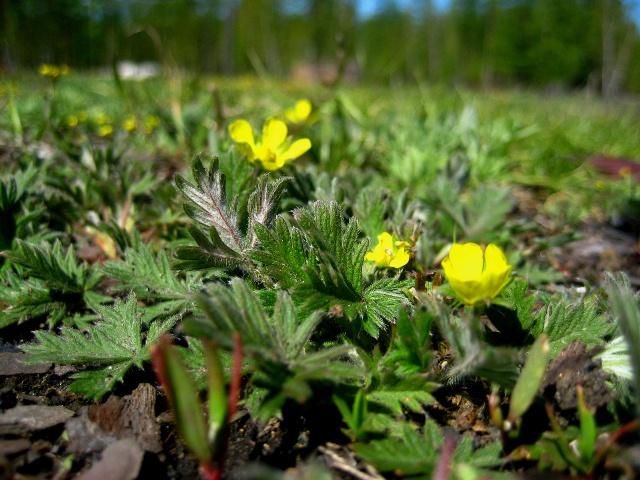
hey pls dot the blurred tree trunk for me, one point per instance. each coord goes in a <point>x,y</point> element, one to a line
<point>616,51</point>
<point>6,35</point>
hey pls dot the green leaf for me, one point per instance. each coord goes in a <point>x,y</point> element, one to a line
<point>337,244</point>
<point>588,433</point>
<point>207,203</point>
<point>530,379</point>
<point>567,321</point>
<point>95,384</point>
<point>263,203</point>
<point>279,344</point>
<point>410,392</point>
<point>55,284</point>
<point>115,341</point>
<point>485,457</point>
<point>211,252</point>
<point>59,271</point>
<point>29,298</point>
<point>282,255</point>
<point>182,392</point>
<point>517,296</point>
<point>625,310</point>
<point>411,350</point>
<point>149,275</point>
<point>411,454</point>
<point>383,299</point>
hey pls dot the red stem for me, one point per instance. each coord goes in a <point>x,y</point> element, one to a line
<point>213,470</point>
<point>159,365</point>
<point>208,471</point>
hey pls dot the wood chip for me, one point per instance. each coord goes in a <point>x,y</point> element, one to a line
<point>120,461</point>
<point>31,418</point>
<point>11,364</point>
<point>11,447</point>
<point>132,416</point>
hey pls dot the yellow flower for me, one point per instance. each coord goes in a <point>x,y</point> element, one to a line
<point>389,253</point>
<point>53,71</point>
<point>476,275</point>
<point>273,150</point>
<point>300,112</point>
<point>105,130</point>
<point>103,119</point>
<point>72,121</point>
<point>151,123</point>
<point>130,124</point>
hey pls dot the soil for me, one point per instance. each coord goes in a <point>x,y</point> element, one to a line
<point>47,432</point>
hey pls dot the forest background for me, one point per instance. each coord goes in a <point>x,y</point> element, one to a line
<point>547,44</point>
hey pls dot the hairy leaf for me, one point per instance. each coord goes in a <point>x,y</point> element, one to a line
<point>263,203</point>
<point>55,284</point>
<point>150,277</point>
<point>116,341</point>
<point>207,203</point>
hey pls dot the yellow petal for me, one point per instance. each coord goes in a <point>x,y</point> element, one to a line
<point>274,133</point>
<point>494,281</point>
<point>474,275</point>
<point>467,261</point>
<point>271,165</point>
<point>386,241</point>
<point>400,259</point>
<point>494,259</point>
<point>268,158</point>
<point>379,255</point>
<point>469,291</point>
<point>296,149</point>
<point>241,132</point>
<point>303,109</point>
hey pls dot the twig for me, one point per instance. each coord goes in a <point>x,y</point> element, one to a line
<point>339,463</point>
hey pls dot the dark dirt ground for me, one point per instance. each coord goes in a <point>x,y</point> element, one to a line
<point>47,432</point>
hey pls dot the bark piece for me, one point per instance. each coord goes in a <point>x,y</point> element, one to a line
<point>11,364</point>
<point>11,447</point>
<point>131,416</point>
<point>575,365</point>
<point>31,418</point>
<point>120,461</point>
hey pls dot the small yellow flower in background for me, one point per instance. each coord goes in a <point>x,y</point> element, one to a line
<point>103,119</point>
<point>151,123</point>
<point>389,253</point>
<point>105,130</point>
<point>130,124</point>
<point>273,150</point>
<point>72,121</point>
<point>300,112</point>
<point>53,71</point>
<point>47,70</point>
<point>476,275</point>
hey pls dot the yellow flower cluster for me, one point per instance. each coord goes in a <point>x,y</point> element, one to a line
<point>53,71</point>
<point>273,150</point>
<point>389,253</point>
<point>474,274</point>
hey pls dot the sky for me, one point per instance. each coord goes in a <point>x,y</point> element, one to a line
<point>367,8</point>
